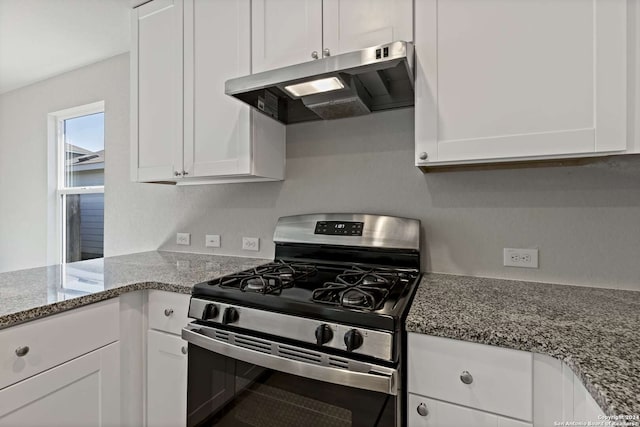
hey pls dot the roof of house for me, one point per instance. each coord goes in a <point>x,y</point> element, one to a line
<point>83,156</point>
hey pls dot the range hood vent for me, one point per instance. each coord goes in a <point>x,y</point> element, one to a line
<point>352,84</point>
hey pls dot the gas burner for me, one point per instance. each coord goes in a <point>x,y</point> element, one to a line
<point>375,278</point>
<point>264,284</point>
<point>351,296</point>
<point>270,278</point>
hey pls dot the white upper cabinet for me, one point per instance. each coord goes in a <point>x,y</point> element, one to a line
<point>216,125</point>
<point>285,32</point>
<point>196,134</point>
<point>156,90</point>
<point>500,80</point>
<point>350,25</point>
<point>222,136</point>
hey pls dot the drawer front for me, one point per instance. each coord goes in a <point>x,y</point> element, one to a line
<point>425,412</point>
<point>168,311</point>
<point>56,339</point>
<point>499,380</point>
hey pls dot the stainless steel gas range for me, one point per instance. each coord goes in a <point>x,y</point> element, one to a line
<point>314,338</point>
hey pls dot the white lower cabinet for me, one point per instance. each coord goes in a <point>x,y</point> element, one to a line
<point>166,361</point>
<point>82,392</point>
<point>483,377</point>
<point>434,413</point>
<point>585,407</point>
<point>559,395</point>
<point>458,383</point>
<point>166,380</point>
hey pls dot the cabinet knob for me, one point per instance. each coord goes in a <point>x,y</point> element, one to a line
<point>423,155</point>
<point>176,173</point>
<point>314,54</point>
<point>168,311</point>
<point>184,349</point>
<point>185,173</point>
<point>22,351</point>
<point>422,410</point>
<point>466,377</point>
<point>326,52</point>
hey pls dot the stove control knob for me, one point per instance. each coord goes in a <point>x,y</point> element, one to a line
<point>324,334</point>
<point>353,339</point>
<point>210,312</point>
<point>230,315</point>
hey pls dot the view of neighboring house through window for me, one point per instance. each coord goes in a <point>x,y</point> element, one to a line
<point>80,139</point>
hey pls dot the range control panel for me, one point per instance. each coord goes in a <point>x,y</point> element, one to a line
<point>339,228</point>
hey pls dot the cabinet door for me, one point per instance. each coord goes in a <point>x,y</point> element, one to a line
<point>166,380</point>
<point>350,25</point>
<point>83,392</point>
<point>585,407</point>
<point>500,378</point>
<point>441,414</point>
<point>156,90</point>
<point>500,80</point>
<point>285,32</point>
<point>217,48</point>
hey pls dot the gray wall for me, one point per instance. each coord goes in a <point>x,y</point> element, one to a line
<point>27,187</point>
<point>585,220</point>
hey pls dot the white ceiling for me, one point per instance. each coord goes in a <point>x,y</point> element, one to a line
<point>42,38</point>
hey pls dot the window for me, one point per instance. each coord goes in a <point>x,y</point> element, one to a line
<point>79,190</point>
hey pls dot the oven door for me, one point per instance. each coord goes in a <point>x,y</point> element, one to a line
<point>240,380</point>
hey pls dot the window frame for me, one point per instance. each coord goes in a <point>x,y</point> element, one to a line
<point>57,142</point>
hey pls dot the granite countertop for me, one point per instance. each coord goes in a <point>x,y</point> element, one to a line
<point>596,332</point>
<point>37,292</point>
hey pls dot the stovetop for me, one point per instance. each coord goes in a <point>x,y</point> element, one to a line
<point>363,295</point>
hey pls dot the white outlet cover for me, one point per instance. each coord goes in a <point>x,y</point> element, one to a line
<point>183,239</point>
<point>251,243</point>
<point>524,258</point>
<point>212,240</point>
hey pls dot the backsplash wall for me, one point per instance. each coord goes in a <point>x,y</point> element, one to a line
<point>585,220</point>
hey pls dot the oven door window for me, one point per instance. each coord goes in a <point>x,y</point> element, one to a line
<point>226,392</point>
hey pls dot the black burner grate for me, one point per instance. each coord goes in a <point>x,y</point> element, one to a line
<point>270,278</point>
<point>365,289</point>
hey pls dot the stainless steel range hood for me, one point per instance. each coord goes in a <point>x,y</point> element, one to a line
<point>346,85</point>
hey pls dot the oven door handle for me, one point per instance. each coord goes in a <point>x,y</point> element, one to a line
<point>384,381</point>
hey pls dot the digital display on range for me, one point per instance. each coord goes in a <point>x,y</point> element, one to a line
<point>339,228</point>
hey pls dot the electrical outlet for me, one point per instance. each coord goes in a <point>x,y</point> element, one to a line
<point>526,258</point>
<point>183,239</point>
<point>212,240</point>
<point>250,243</point>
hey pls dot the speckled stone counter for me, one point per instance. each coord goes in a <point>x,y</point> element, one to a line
<point>30,294</point>
<point>596,332</point>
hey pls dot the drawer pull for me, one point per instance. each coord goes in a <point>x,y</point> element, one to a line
<point>422,410</point>
<point>168,311</point>
<point>184,349</point>
<point>22,351</point>
<point>466,377</point>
